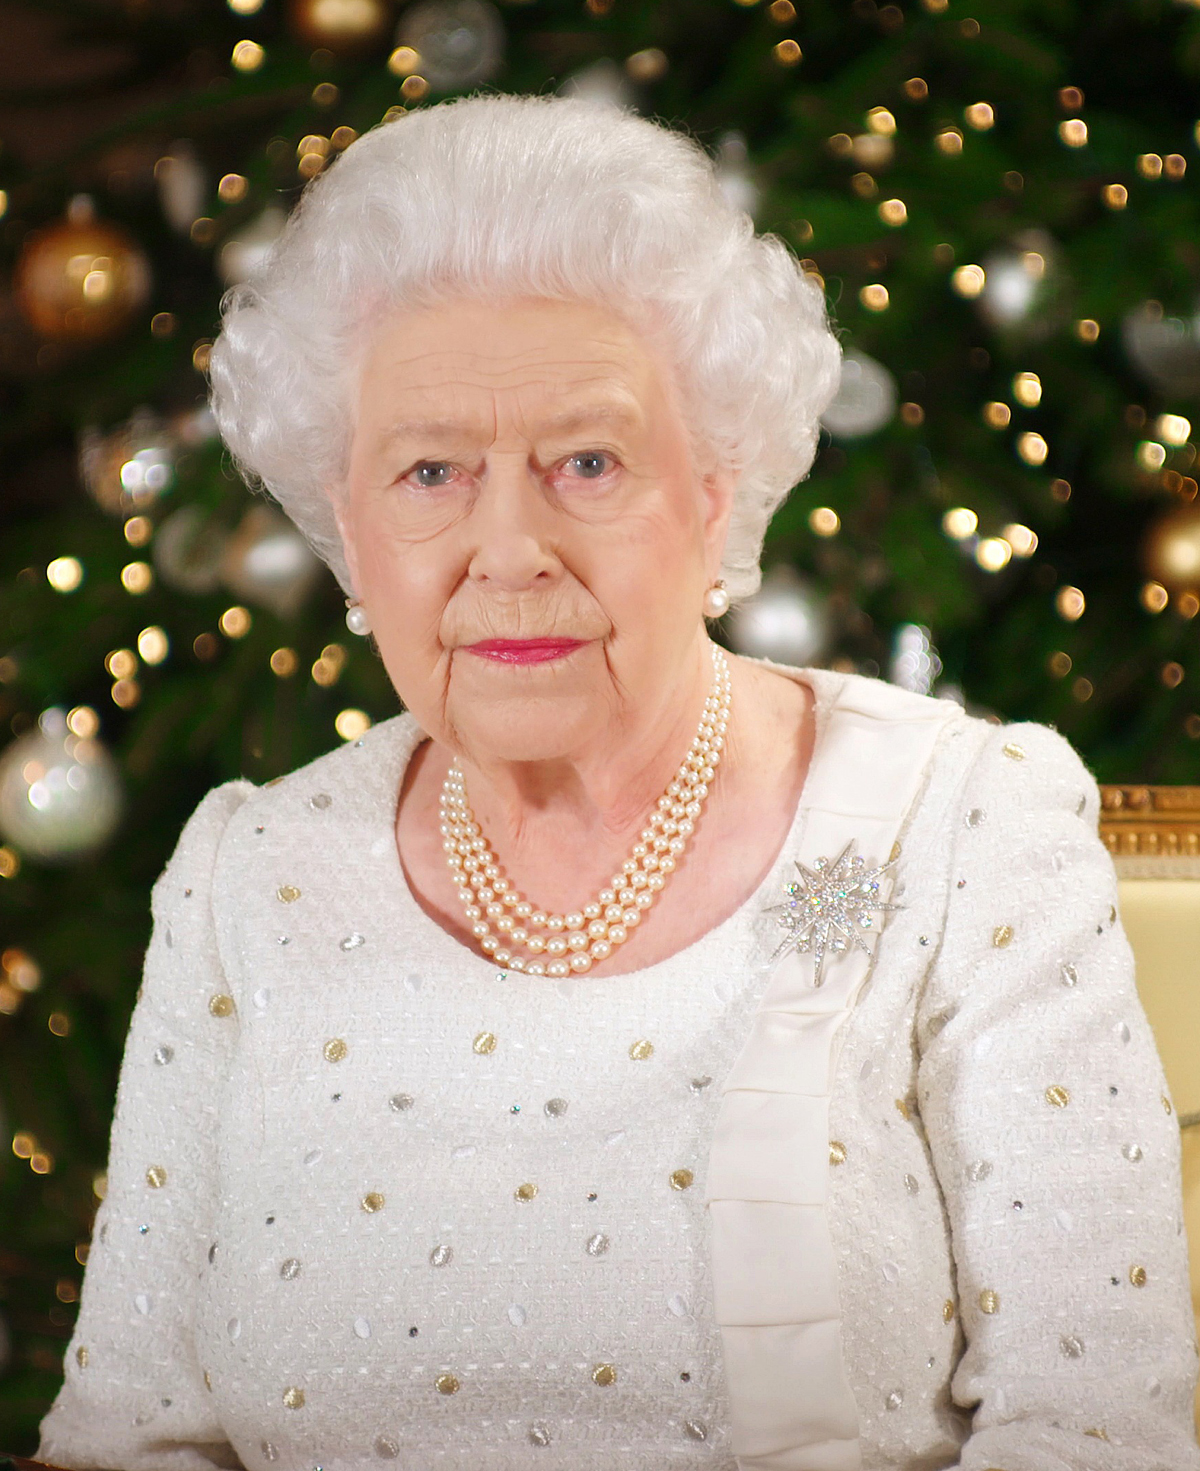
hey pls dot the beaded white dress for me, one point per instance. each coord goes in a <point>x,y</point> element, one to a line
<point>372,1201</point>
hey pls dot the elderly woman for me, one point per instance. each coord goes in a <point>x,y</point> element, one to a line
<point>632,1056</point>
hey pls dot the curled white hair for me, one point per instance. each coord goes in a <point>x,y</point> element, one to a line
<point>559,197</point>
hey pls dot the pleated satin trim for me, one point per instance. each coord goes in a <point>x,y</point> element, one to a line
<point>773,1269</point>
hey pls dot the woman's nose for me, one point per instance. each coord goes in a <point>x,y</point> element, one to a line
<point>512,527</point>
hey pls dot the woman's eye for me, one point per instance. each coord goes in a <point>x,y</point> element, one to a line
<point>431,473</point>
<point>592,463</point>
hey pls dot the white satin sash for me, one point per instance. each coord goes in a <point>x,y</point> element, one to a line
<point>774,1274</point>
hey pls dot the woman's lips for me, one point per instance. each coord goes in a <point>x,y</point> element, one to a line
<point>524,650</point>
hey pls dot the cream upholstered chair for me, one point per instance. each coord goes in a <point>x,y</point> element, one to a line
<point>1153,834</point>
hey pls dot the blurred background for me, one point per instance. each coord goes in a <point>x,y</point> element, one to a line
<point>999,197</point>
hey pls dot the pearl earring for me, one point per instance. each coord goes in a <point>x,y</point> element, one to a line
<point>356,618</point>
<point>716,600</point>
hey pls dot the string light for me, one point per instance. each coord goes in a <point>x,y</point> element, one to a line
<point>153,644</point>
<point>960,523</point>
<point>874,297</point>
<point>232,188</point>
<point>1087,329</point>
<point>1151,456</point>
<point>351,724</point>
<point>403,61</point>
<point>1021,538</point>
<point>1150,165</point>
<point>980,116</point>
<point>993,553</point>
<point>1070,604</point>
<point>949,141</point>
<point>1173,429</point>
<point>235,622</point>
<point>788,53</point>
<point>64,574</point>
<point>1115,196</point>
<point>137,577</point>
<point>969,281</point>
<point>1032,448</point>
<point>1154,597</point>
<point>825,521</point>
<point>1074,132</point>
<point>1027,390</point>
<point>893,212</point>
<point>880,120</point>
<point>916,89</point>
<point>248,56</point>
<point>996,415</point>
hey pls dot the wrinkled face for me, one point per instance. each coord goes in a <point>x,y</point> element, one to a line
<point>524,525</point>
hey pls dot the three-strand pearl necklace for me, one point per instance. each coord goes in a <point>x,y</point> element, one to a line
<point>520,936</point>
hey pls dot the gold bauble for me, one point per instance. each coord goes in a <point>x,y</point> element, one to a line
<point>1171,553</point>
<point>80,278</point>
<point>341,26</point>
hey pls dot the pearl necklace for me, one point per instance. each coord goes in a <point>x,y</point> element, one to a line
<point>505,923</point>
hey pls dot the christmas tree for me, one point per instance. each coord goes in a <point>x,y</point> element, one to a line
<point>997,199</point>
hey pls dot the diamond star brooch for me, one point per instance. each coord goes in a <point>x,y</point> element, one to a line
<point>831,902</point>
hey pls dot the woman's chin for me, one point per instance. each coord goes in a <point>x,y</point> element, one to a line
<point>531,728</point>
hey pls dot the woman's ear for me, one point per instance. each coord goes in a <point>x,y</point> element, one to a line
<point>339,502</point>
<point>718,487</point>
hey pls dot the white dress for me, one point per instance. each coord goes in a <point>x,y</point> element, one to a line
<point>371,1200</point>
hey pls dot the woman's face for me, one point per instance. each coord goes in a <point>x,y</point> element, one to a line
<point>524,525</point>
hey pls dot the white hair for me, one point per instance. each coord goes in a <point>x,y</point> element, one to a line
<point>558,197</point>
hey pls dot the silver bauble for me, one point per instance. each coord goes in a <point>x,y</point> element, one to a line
<point>602,81</point>
<point>182,186</point>
<point>915,664</point>
<point>245,252</point>
<point>733,173</point>
<point>60,794</point>
<point>1164,350</point>
<point>460,42</point>
<point>1022,283</point>
<point>865,400</point>
<point>785,621</point>
<point>267,562</point>
<point>129,466</point>
<point>188,550</point>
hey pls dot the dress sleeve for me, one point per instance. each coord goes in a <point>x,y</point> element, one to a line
<point>1053,1137</point>
<point>134,1395</point>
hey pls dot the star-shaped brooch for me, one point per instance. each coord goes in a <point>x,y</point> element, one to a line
<point>831,903</point>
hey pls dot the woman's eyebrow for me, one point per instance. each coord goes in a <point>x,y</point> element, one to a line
<point>622,415</point>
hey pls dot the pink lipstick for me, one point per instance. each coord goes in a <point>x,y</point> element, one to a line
<point>524,650</point>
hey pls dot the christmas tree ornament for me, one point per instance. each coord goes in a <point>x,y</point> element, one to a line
<point>785,621</point>
<point>244,252</point>
<point>80,278</point>
<point>189,550</point>
<point>182,186</point>
<point>460,42</point>
<point>825,910</point>
<point>1171,550</point>
<point>733,173</point>
<point>345,27</point>
<point>865,401</point>
<point>60,794</point>
<point>1164,350</point>
<point>126,468</point>
<point>602,81</point>
<point>268,562</point>
<point>1023,285</point>
<point>915,664</point>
